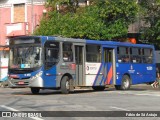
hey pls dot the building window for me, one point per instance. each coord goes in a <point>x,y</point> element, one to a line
<point>19,13</point>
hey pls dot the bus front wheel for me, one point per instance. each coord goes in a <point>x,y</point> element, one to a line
<point>65,85</point>
<point>35,90</point>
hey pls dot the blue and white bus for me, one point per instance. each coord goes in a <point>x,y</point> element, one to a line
<point>46,62</point>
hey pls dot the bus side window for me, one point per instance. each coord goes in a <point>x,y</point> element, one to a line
<point>123,54</point>
<point>93,53</point>
<point>48,55</point>
<point>51,54</point>
<point>119,59</point>
<point>136,55</point>
<point>147,55</point>
<point>67,52</point>
<point>126,59</point>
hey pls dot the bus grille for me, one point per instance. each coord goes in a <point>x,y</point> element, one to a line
<point>21,78</point>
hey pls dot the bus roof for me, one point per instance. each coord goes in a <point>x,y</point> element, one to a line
<point>117,43</point>
<point>77,40</point>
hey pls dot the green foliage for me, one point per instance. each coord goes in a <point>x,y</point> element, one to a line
<point>151,17</point>
<point>101,20</point>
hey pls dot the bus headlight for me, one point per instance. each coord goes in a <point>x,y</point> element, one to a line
<point>39,74</point>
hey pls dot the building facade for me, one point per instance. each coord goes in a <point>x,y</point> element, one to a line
<point>19,17</point>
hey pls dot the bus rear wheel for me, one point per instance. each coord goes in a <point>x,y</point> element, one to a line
<point>65,85</point>
<point>125,85</point>
<point>35,90</point>
<point>98,88</point>
<point>126,82</point>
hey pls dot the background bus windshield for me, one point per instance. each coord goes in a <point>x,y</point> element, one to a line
<point>25,57</point>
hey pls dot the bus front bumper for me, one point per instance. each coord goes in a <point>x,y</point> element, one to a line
<point>19,83</point>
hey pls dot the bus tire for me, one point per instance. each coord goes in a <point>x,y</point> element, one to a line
<point>126,82</point>
<point>98,88</point>
<point>35,90</point>
<point>65,85</point>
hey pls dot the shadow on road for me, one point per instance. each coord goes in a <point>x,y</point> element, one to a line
<point>83,91</point>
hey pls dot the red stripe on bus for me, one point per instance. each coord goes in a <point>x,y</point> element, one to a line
<point>4,67</point>
<point>109,76</point>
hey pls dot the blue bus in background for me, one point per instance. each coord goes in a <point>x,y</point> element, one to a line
<point>46,62</point>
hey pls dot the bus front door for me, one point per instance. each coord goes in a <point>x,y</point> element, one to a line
<point>79,59</point>
<point>109,66</point>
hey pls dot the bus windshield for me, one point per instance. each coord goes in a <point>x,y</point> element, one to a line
<point>25,57</point>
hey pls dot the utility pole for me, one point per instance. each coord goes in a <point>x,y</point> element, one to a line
<point>32,16</point>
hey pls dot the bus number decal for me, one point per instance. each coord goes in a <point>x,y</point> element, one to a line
<point>149,68</point>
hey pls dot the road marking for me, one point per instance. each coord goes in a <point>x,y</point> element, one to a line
<point>118,108</point>
<point>9,108</point>
<point>140,93</point>
<point>12,109</point>
<point>149,94</point>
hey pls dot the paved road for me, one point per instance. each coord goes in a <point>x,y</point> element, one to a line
<point>138,98</point>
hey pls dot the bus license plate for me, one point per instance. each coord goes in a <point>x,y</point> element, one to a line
<point>20,82</point>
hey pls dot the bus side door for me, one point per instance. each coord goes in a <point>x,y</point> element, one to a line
<point>109,62</point>
<point>79,60</point>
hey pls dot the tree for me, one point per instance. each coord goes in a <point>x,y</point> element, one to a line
<point>151,17</point>
<point>101,20</point>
